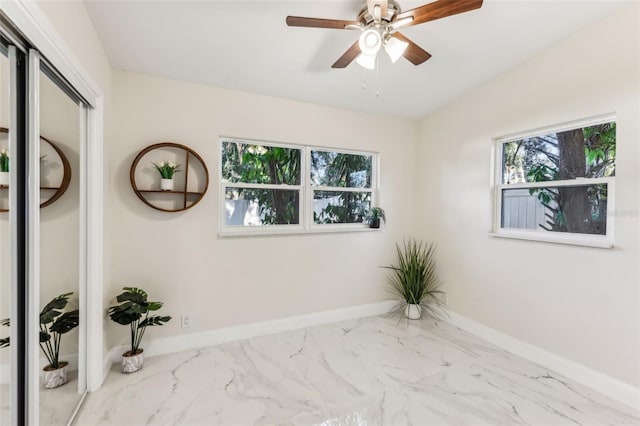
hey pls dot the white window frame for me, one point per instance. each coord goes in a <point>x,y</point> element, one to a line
<point>338,227</point>
<point>600,241</point>
<point>306,225</point>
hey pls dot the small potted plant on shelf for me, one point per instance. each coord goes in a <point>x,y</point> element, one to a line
<point>133,310</point>
<point>374,216</point>
<point>4,168</point>
<point>54,322</point>
<point>167,169</point>
<point>414,281</point>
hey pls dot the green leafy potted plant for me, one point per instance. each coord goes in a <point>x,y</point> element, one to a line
<point>54,322</point>
<point>374,216</point>
<point>166,169</point>
<point>4,168</point>
<point>414,281</point>
<point>133,310</point>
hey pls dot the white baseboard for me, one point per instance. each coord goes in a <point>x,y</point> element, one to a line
<point>167,345</point>
<point>607,385</point>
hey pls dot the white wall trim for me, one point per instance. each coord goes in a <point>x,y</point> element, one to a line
<point>167,345</point>
<point>607,385</point>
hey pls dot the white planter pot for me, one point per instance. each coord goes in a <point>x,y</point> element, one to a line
<point>4,178</point>
<point>58,377</point>
<point>166,184</point>
<point>413,312</point>
<point>132,363</point>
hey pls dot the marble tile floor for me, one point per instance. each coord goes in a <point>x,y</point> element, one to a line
<point>370,371</point>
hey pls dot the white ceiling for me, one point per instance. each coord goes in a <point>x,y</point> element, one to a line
<point>246,45</point>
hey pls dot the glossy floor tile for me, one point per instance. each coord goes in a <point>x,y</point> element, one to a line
<point>370,371</point>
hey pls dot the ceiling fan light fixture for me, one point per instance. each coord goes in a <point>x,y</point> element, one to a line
<point>395,48</point>
<point>370,42</point>
<point>366,61</point>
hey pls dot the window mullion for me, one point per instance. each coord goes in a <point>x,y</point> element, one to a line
<point>283,187</point>
<point>340,189</point>
<point>557,183</point>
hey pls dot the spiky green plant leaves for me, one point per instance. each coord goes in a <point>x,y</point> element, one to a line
<point>414,279</point>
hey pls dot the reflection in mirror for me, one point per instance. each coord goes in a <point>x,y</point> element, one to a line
<point>5,253</point>
<point>60,270</point>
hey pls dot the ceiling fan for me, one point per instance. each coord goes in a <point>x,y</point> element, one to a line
<point>379,22</point>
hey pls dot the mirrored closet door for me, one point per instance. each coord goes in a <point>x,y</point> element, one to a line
<point>61,271</point>
<point>43,238</point>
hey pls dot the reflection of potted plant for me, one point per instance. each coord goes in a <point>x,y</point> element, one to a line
<point>166,169</point>
<point>374,216</point>
<point>4,342</point>
<point>53,324</point>
<point>133,311</point>
<point>4,167</point>
<point>414,280</point>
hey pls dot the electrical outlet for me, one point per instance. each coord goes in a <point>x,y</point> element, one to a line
<point>186,320</point>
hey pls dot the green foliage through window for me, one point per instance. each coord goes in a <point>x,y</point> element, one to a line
<point>262,184</point>
<point>580,153</point>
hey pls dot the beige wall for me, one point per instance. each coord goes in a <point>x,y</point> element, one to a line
<point>580,303</point>
<point>178,257</point>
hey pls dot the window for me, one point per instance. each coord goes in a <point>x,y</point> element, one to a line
<point>557,184</point>
<point>341,186</point>
<point>276,188</point>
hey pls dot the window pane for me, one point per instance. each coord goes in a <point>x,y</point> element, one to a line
<point>340,207</point>
<point>576,209</point>
<point>340,170</point>
<point>248,163</point>
<point>583,152</point>
<point>259,207</point>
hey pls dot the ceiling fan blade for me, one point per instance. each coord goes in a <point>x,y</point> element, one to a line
<point>348,56</point>
<point>414,53</point>
<point>382,4</point>
<point>299,21</point>
<point>438,9</point>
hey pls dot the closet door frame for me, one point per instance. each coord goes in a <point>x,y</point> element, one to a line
<point>18,219</point>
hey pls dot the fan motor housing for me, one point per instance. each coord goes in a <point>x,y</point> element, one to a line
<point>366,19</point>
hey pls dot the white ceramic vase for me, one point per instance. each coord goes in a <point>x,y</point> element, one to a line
<point>4,178</point>
<point>58,377</point>
<point>413,312</point>
<point>132,363</point>
<point>166,184</point>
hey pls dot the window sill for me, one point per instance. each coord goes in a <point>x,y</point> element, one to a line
<point>570,239</point>
<point>315,230</point>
